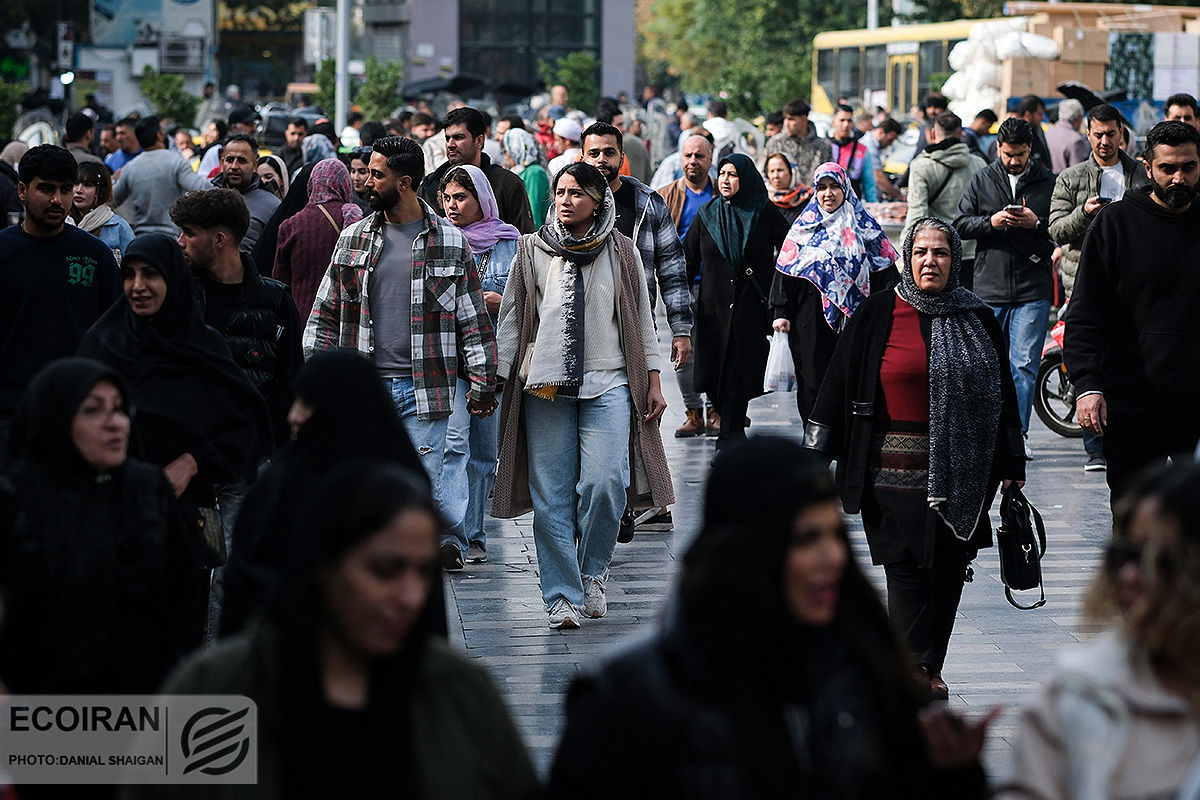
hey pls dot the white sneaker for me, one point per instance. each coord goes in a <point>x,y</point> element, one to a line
<point>563,616</point>
<point>1028,449</point>
<point>595,604</point>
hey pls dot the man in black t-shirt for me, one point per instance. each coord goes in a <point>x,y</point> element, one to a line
<point>55,279</point>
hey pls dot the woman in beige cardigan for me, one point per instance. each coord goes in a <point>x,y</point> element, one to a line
<point>577,345</point>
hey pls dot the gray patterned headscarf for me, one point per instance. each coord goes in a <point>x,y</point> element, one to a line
<point>964,389</point>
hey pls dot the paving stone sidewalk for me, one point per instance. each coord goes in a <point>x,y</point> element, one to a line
<point>998,655</point>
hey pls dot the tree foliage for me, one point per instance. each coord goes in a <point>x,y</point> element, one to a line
<point>377,96</point>
<point>166,93</point>
<point>326,80</point>
<point>11,95</point>
<point>579,72</point>
<point>755,54</point>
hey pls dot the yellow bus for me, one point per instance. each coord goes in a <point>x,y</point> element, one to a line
<point>890,64</point>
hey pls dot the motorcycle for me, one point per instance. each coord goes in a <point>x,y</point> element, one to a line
<point>1054,394</point>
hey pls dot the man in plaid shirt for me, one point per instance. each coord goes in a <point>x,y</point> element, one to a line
<point>402,289</point>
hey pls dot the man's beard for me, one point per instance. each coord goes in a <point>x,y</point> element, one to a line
<point>383,201</point>
<point>610,173</point>
<point>1175,196</point>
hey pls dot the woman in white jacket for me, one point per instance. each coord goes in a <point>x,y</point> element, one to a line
<point>1121,716</point>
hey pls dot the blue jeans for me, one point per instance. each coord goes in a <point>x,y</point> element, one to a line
<point>578,473</point>
<point>1025,325</point>
<point>428,436</point>
<point>468,469</point>
<point>1092,444</point>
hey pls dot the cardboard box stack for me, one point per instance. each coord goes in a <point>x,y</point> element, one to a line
<point>1176,64</point>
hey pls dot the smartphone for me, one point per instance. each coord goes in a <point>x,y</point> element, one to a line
<point>1103,200</point>
<point>1014,208</point>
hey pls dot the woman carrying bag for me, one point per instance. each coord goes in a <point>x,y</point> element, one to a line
<point>836,255</point>
<point>920,414</point>
<point>736,236</point>
<point>577,345</point>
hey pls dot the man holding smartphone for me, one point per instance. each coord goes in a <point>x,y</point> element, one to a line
<point>1005,209</point>
<point>1080,191</point>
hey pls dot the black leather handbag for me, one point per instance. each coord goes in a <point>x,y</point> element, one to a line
<point>1021,541</point>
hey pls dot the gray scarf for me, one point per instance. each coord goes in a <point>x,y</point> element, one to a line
<point>556,362</point>
<point>964,389</point>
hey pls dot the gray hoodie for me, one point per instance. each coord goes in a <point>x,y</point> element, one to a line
<point>936,181</point>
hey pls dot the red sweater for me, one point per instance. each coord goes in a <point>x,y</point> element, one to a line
<point>904,373</point>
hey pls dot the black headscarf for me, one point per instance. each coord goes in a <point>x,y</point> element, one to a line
<point>293,202</point>
<point>180,370</point>
<point>964,389</point>
<point>353,417</point>
<point>41,429</point>
<point>738,633</point>
<point>355,501</point>
<point>731,222</point>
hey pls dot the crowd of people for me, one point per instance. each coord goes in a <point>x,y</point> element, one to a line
<point>254,405</point>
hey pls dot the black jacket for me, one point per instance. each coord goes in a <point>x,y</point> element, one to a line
<point>846,416</point>
<point>263,334</point>
<point>1013,265</point>
<point>101,585</point>
<point>663,723</point>
<point>511,198</point>
<point>733,306</point>
<point>1132,324</point>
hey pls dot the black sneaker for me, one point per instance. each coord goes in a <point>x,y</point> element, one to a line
<point>452,559</point>
<point>625,532</point>
<point>1096,463</point>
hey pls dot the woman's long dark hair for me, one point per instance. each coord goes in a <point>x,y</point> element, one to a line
<point>732,604</point>
<point>91,172</point>
<point>355,503</point>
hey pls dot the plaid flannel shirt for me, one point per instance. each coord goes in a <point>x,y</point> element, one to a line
<point>448,313</point>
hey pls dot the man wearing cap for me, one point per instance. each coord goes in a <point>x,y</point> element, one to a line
<point>567,135</point>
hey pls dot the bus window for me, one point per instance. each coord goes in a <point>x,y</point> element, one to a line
<point>932,57</point>
<point>875,69</point>
<point>849,73</point>
<point>825,75</point>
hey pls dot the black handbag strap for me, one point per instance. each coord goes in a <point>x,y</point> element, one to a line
<point>1011,494</point>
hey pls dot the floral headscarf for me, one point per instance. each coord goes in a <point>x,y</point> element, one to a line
<point>521,148</point>
<point>330,182</point>
<point>317,147</point>
<point>836,252</point>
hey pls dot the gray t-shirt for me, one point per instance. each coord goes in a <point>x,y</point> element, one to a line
<point>390,300</point>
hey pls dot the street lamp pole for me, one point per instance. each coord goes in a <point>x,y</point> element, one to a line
<point>342,90</point>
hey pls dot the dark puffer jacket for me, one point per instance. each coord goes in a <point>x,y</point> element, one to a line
<point>1012,265</point>
<point>263,333</point>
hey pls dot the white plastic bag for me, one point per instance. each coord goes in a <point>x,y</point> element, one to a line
<point>781,373</point>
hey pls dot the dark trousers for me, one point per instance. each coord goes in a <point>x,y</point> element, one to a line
<point>1134,443</point>
<point>923,601</point>
<point>732,400</point>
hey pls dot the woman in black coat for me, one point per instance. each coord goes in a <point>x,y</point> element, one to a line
<point>102,591</point>
<point>198,416</point>
<point>919,410</point>
<point>776,674</point>
<point>736,237</point>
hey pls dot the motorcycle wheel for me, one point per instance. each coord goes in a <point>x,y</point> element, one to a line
<point>1054,398</point>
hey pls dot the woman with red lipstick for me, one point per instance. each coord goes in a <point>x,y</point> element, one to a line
<point>776,672</point>
<point>922,420</point>
<point>1120,717</point>
<point>357,696</point>
<point>102,595</point>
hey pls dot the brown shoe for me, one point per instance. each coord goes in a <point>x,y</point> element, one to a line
<point>713,427</point>
<point>938,687</point>
<point>692,426</point>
